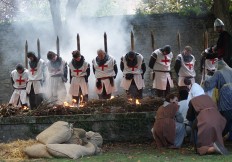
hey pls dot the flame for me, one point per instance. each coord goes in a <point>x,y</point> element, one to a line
<point>74,101</point>
<point>66,104</point>
<point>25,108</point>
<point>112,97</point>
<point>130,99</point>
<point>137,102</point>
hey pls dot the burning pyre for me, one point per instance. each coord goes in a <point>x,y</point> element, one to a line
<point>117,104</point>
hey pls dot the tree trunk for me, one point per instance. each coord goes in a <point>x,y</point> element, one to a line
<point>221,11</point>
<point>56,16</point>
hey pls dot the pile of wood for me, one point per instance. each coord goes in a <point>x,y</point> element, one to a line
<point>119,104</point>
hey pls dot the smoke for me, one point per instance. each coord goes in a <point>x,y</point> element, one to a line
<point>90,29</point>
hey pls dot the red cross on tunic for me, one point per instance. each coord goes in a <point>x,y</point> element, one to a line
<point>77,71</point>
<point>133,68</point>
<point>166,60</point>
<point>33,70</point>
<point>189,65</point>
<point>103,66</point>
<point>20,80</point>
<point>212,60</point>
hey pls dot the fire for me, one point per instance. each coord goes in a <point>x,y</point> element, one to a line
<point>111,97</point>
<point>66,104</point>
<point>137,102</point>
<point>25,108</point>
<point>130,99</point>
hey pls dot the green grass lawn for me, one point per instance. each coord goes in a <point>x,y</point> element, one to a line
<point>148,153</point>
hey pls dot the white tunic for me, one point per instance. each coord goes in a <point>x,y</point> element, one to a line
<point>105,71</point>
<point>186,70</point>
<point>36,75</point>
<point>136,70</point>
<point>78,79</point>
<point>163,63</point>
<point>20,81</point>
<point>56,86</point>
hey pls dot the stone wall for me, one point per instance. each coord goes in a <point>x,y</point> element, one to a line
<point>127,127</point>
<point>164,26</point>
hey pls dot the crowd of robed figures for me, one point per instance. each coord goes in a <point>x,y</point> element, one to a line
<point>205,110</point>
<point>171,120</point>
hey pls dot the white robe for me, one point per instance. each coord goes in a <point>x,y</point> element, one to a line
<point>137,71</point>
<point>78,79</point>
<point>20,81</point>
<point>105,71</point>
<point>56,86</point>
<point>163,63</point>
<point>186,70</point>
<point>35,77</point>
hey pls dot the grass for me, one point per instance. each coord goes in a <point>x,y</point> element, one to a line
<point>125,152</point>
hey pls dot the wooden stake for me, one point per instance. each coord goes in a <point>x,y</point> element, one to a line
<point>38,48</point>
<point>179,41</point>
<point>78,42</point>
<point>105,42</point>
<point>26,50</point>
<point>58,46</point>
<point>206,40</point>
<point>152,41</point>
<point>132,42</point>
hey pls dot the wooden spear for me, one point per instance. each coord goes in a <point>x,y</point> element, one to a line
<point>132,42</point>
<point>78,43</point>
<point>38,48</point>
<point>178,41</point>
<point>58,46</point>
<point>26,50</point>
<point>152,41</point>
<point>206,40</point>
<point>105,42</point>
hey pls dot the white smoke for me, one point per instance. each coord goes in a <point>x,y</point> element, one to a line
<point>91,30</point>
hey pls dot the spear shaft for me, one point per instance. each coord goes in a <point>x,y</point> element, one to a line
<point>38,48</point>
<point>132,42</point>
<point>152,41</point>
<point>105,42</point>
<point>58,46</point>
<point>26,50</point>
<point>178,41</point>
<point>206,40</point>
<point>78,43</point>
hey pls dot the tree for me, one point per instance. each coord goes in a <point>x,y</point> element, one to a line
<point>221,10</point>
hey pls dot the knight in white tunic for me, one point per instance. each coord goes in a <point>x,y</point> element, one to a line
<point>160,63</point>
<point>133,67</point>
<point>36,78</point>
<point>208,67</point>
<point>105,71</point>
<point>19,78</point>
<point>79,71</point>
<point>184,68</point>
<point>57,77</point>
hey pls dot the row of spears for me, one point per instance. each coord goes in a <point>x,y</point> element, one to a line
<point>205,37</point>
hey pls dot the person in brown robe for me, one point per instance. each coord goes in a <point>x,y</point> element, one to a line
<point>208,122</point>
<point>164,129</point>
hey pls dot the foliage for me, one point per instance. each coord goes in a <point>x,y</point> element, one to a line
<point>185,7</point>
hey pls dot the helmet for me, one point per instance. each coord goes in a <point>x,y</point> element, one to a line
<point>166,48</point>
<point>218,23</point>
